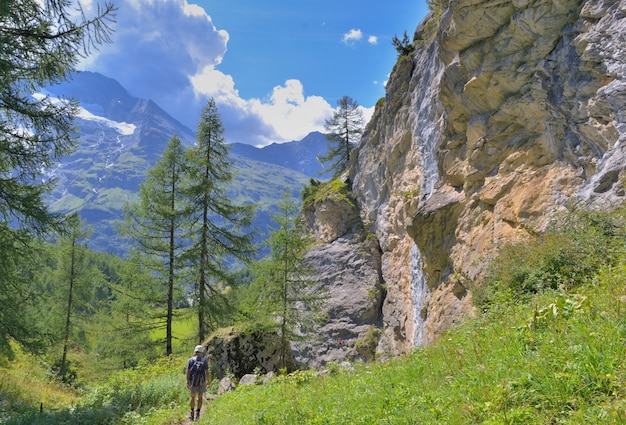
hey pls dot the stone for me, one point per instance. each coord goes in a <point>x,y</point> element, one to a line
<point>498,120</point>
<point>239,352</point>
<point>226,384</point>
<point>505,114</point>
<point>249,379</point>
<point>346,270</point>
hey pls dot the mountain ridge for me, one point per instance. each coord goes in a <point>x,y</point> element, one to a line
<point>121,137</point>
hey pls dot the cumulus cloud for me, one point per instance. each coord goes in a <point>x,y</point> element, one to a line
<point>372,39</point>
<point>351,36</point>
<point>294,115</point>
<point>169,51</point>
<point>287,115</point>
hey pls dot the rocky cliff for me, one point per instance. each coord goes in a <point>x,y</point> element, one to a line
<point>506,112</point>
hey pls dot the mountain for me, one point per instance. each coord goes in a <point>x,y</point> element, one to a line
<point>300,155</point>
<point>120,138</point>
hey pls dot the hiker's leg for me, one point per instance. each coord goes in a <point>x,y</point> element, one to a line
<point>198,406</point>
<point>192,405</point>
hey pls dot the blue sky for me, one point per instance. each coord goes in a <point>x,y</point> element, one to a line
<point>275,68</point>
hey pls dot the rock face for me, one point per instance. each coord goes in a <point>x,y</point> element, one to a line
<point>346,263</point>
<point>240,353</point>
<point>506,112</point>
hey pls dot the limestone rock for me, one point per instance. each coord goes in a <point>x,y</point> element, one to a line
<point>240,353</point>
<point>249,379</point>
<point>226,384</point>
<point>347,271</point>
<point>504,114</point>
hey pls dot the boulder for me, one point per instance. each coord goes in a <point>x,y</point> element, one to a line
<point>240,352</point>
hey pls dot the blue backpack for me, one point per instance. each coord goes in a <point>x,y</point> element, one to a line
<point>197,375</point>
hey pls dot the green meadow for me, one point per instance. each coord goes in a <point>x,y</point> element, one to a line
<point>547,345</point>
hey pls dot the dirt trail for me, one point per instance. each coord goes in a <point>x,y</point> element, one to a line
<point>207,399</point>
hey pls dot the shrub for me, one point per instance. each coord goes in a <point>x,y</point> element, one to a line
<point>573,249</point>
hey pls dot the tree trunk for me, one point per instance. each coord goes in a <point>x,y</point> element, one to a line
<point>66,340</point>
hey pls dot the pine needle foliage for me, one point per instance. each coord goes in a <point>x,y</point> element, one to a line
<point>40,44</point>
<point>344,133</point>
<point>221,231</point>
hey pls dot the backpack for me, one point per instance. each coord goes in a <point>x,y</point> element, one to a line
<point>197,370</point>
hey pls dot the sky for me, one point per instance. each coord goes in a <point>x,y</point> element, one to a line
<point>275,68</point>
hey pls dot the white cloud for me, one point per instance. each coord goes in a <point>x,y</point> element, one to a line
<point>157,45</point>
<point>351,36</point>
<point>290,113</point>
<point>287,115</point>
<point>213,83</point>
<point>169,51</point>
<point>372,39</point>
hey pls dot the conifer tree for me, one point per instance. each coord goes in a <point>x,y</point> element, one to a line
<point>40,43</point>
<point>283,288</point>
<point>158,223</point>
<point>124,327</point>
<point>78,277</point>
<point>344,132</point>
<point>221,229</point>
<point>67,280</point>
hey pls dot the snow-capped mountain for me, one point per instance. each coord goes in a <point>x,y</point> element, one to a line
<point>121,137</point>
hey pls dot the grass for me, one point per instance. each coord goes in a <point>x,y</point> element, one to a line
<point>548,348</point>
<point>149,394</point>
<point>334,189</point>
<point>558,359</point>
<point>184,332</point>
<point>23,386</point>
<point>561,362</point>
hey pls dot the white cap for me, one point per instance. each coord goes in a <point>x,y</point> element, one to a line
<point>199,349</point>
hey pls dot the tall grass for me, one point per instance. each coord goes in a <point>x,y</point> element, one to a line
<point>559,362</point>
<point>144,395</point>
<point>549,347</point>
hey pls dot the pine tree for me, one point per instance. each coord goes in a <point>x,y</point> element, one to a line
<point>404,46</point>
<point>158,225</point>
<point>344,132</point>
<point>221,235</point>
<point>40,43</point>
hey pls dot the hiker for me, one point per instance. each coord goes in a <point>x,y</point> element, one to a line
<point>197,380</point>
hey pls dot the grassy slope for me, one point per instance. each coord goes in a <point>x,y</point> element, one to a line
<point>559,362</point>
<point>562,362</point>
<point>557,359</point>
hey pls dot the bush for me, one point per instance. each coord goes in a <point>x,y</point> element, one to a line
<point>575,247</point>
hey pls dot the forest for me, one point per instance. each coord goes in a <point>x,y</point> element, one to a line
<point>193,258</point>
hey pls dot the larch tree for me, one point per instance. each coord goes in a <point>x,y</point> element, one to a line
<point>124,326</point>
<point>77,278</point>
<point>344,131</point>
<point>158,223</point>
<point>41,41</point>
<point>284,284</point>
<point>221,231</point>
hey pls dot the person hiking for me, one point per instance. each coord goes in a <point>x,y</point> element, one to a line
<point>197,380</point>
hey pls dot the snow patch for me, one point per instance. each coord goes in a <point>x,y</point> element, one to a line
<point>123,128</point>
